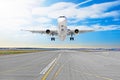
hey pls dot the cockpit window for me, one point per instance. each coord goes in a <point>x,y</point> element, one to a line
<point>62,16</point>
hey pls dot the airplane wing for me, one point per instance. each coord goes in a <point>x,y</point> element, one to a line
<point>47,31</point>
<point>78,31</point>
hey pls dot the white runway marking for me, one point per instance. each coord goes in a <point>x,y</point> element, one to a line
<point>47,67</point>
<point>50,64</point>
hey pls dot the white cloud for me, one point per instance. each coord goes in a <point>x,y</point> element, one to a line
<point>16,8</point>
<point>106,28</point>
<point>12,10</point>
<point>54,10</point>
<point>61,8</point>
<point>42,20</point>
<point>96,27</point>
<point>112,13</point>
<point>14,14</point>
<point>70,10</point>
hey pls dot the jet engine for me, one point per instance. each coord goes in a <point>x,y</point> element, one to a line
<point>48,31</point>
<point>76,31</point>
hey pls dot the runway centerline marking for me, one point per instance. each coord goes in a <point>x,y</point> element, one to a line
<point>49,68</point>
<point>57,72</point>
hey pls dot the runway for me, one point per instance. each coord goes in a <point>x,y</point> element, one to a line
<point>61,65</point>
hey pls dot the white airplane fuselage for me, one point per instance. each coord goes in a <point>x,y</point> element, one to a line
<point>62,27</point>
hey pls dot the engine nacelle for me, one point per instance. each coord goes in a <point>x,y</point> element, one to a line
<point>48,31</point>
<point>76,31</point>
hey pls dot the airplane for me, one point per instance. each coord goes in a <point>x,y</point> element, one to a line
<point>62,31</point>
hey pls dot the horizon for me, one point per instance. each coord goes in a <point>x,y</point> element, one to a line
<point>62,47</point>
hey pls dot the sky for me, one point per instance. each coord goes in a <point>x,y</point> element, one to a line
<point>38,14</point>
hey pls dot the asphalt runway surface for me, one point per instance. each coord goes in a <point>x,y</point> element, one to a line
<point>61,65</point>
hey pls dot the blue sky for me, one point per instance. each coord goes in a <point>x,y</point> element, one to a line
<point>38,14</point>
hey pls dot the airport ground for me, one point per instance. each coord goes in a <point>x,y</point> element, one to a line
<point>61,65</point>
<point>10,52</point>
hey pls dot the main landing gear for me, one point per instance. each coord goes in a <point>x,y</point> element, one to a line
<point>52,38</point>
<point>71,38</point>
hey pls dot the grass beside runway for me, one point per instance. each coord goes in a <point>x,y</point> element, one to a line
<point>8,52</point>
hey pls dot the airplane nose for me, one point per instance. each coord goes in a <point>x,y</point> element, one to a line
<point>61,19</point>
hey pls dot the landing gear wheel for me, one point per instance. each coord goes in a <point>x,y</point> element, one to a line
<point>52,39</point>
<point>71,38</point>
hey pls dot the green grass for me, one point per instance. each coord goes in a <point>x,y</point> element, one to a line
<point>8,52</point>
